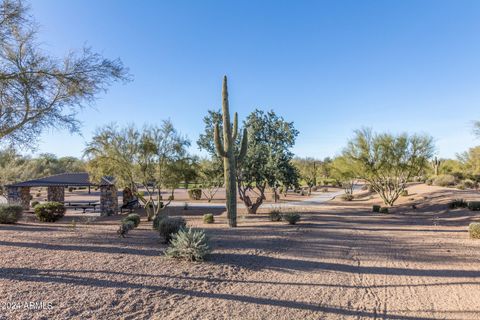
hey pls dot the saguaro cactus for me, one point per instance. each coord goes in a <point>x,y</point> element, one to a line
<point>227,151</point>
<point>436,165</point>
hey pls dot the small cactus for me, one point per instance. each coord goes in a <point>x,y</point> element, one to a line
<point>436,165</point>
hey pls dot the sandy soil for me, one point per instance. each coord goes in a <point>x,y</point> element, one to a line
<point>340,262</point>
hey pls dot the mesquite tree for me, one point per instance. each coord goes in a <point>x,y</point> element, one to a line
<point>39,91</point>
<point>268,162</point>
<point>226,149</point>
<point>387,162</point>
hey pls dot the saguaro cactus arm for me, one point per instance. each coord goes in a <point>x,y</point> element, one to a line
<point>235,127</point>
<point>218,144</point>
<point>243,147</point>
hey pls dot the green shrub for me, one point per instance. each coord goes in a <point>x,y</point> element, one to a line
<point>429,182</point>
<point>474,205</point>
<point>474,230</point>
<point>34,203</point>
<point>444,180</point>
<point>10,213</point>
<point>457,203</point>
<point>125,227</point>
<point>466,184</point>
<point>324,190</point>
<point>404,193</point>
<point>135,218</point>
<point>188,244</point>
<point>347,197</point>
<point>275,215</point>
<point>49,211</point>
<point>208,218</point>
<point>291,217</point>
<point>195,194</point>
<point>376,208</point>
<point>169,226</point>
<point>383,210</point>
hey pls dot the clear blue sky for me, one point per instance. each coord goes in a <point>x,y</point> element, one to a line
<point>329,66</point>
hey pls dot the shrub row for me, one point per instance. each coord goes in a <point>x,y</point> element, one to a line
<point>290,217</point>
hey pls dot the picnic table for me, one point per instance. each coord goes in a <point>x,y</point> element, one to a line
<point>84,205</point>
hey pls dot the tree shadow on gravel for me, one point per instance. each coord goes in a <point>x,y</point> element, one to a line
<point>47,276</point>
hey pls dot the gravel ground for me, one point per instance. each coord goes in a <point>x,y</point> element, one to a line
<point>341,262</point>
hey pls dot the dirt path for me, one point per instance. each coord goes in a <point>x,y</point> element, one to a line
<point>342,263</point>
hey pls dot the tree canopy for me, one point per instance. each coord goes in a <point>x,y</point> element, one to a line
<point>39,91</point>
<point>388,161</point>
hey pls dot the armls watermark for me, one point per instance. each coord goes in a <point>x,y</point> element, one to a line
<point>26,305</point>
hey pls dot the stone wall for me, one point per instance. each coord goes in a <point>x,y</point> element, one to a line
<point>19,195</point>
<point>56,194</point>
<point>108,200</point>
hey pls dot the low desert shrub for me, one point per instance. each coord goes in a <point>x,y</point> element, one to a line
<point>383,210</point>
<point>208,218</point>
<point>324,190</point>
<point>291,217</point>
<point>429,182</point>
<point>444,180</point>
<point>275,215</point>
<point>169,226</point>
<point>457,203</point>
<point>195,194</point>
<point>34,203</point>
<point>49,211</point>
<point>466,184</point>
<point>474,205</point>
<point>171,198</point>
<point>135,218</point>
<point>125,227</point>
<point>404,193</point>
<point>474,230</point>
<point>314,188</point>
<point>376,208</point>
<point>188,244</point>
<point>10,213</point>
<point>347,197</point>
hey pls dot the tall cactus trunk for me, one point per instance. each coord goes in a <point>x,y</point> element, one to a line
<point>227,151</point>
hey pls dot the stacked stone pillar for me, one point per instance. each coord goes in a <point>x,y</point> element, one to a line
<point>19,195</point>
<point>56,193</point>
<point>108,200</point>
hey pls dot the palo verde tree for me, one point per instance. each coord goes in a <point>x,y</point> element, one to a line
<point>210,177</point>
<point>39,91</point>
<point>137,157</point>
<point>345,171</point>
<point>309,169</point>
<point>225,147</point>
<point>387,162</point>
<point>268,162</point>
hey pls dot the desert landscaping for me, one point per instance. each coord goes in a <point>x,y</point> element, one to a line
<point>340,261</point>
<point>241,160</point>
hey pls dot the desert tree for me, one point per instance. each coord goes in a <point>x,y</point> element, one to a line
<point>137,158</point>
<point>114,151</point>
<point>210,176</point>
<point>387,162</point>
<point>345,171</point>
<point>309,169</point>
<point>40,91</point>
<point>268,161</point>
<point>469,162</point>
